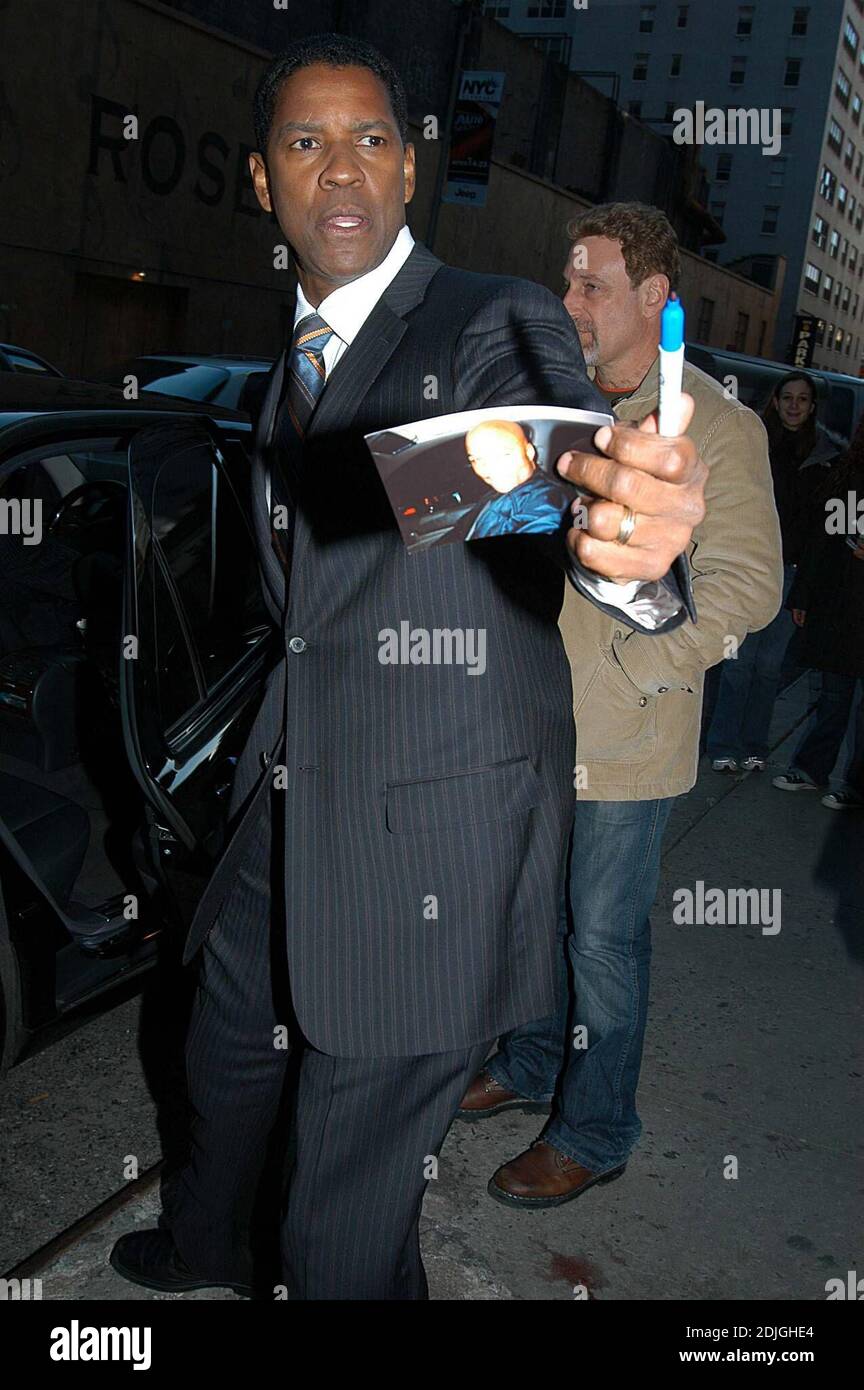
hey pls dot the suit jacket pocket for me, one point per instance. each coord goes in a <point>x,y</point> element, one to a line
<point>501,791</point>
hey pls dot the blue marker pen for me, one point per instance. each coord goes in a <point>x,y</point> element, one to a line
<point>671,366</point>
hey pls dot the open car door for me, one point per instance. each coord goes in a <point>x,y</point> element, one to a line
<point>197,641</point>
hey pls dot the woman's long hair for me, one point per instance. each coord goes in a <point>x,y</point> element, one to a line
<point>801,442</point>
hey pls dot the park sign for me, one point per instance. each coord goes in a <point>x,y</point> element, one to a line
<point>803,340</point>
<point>471,138</point>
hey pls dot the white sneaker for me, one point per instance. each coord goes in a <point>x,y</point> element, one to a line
<point>793,782</point>
<point>753,764</point>
<point>724,765</point>
<point>843,801</point>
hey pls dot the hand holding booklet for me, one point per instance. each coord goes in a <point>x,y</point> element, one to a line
<point>483,473</point>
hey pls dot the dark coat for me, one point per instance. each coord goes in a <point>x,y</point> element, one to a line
<point>829,587</point>
<point>426,809</point>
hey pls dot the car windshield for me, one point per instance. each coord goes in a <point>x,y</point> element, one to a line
<point>165,378</point>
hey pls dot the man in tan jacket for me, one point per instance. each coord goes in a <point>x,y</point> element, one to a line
<point>637,704</point>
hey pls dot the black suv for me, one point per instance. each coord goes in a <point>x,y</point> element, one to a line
<point>133,646</point>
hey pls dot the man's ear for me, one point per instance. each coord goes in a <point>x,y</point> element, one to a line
<point>258,170</point>
<point>531,452</point>
<point>409,171</point>
<point>654,291</point>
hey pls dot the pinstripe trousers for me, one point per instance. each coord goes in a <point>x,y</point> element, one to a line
<point>365,1128</point>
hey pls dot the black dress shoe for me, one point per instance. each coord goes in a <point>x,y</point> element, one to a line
<point>152,1259</point>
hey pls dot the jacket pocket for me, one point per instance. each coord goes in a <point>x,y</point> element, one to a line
<point>501,791</point>
<point>615,722</point>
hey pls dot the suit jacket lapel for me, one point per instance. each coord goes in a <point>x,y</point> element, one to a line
<point>375,344</point>
<point>273,574</point>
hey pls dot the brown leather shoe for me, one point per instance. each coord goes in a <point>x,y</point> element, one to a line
<point>544,1177</point>
<point>485,1096</point>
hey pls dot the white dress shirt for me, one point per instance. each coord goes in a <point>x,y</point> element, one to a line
<point>346,309</point>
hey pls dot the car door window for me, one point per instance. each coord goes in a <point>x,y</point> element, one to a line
<point>207,562</point>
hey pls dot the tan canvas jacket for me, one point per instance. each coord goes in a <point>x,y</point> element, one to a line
<point>637,699</point>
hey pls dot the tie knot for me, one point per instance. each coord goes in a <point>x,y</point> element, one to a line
<point>311,334</point>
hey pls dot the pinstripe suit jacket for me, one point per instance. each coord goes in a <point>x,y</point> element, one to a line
<point>427,809</point>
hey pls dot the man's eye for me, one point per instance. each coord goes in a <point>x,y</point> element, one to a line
<point>306,142</point>
<point>378,138</point>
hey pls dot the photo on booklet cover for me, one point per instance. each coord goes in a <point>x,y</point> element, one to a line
<point>482,473</point>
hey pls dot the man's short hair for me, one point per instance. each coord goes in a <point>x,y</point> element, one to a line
<point>334,51</point>
<point>648,241</point>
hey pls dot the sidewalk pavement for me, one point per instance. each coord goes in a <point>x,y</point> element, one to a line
<point>753,1058</point>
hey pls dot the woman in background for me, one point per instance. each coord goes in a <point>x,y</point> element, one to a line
<point>801,457</point>
<point>827,603</point>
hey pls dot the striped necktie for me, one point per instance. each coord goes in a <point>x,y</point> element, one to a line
<point>307,373</point>
<point>306,380</point>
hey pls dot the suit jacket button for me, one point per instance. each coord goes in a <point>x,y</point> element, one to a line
<point>643,700</point>
<point>265,760</point>
<point>297,644</point>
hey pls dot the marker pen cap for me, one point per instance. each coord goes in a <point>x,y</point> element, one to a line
<point>672,325</point>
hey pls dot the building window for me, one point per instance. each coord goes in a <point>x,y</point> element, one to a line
<point>834,245</point>
<point>847,295</point>
<point>792,74</point>
<point>777,173</point>
<point>819,332</point>
<point>724,168</point>
<point>681,21</point>
<point>786,115</point>
<point>800,15</point>
<point>850,37</point>
<point>842,195</point>
<point>844,250</point>
<point>820,232</point>
<point>647,14</point>
<point>856,108</point>
<point>842,87</point>
<point>669,115</point>
<point>704,320</point>
<point>827,286</point>
<point>849,154</point>
<point>859,220</point>
<point>738,71</point>
<point>835,136</point>
<point>718,212</point>
<point>675,65</point>
<point>745,21</point>
<point>769,219</point>
<point>855,303</point>
<point>853,258</point>
<point>858,165</point>
<point>838,340</point>
<point>829,337</point>
<point>741,327</point>
<point>837,288</point>
<point>640,67</point>
<point>827,184</point>
<point>635,108</point>
<point>811,278</point>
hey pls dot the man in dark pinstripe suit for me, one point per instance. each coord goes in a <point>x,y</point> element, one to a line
<point>402,827</point>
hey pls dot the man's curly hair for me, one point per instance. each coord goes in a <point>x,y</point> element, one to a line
<point>648,241</point>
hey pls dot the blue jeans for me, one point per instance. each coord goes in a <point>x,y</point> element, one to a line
<point>817,752</point>
<point>613,873</point>
<point>748,688</point>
